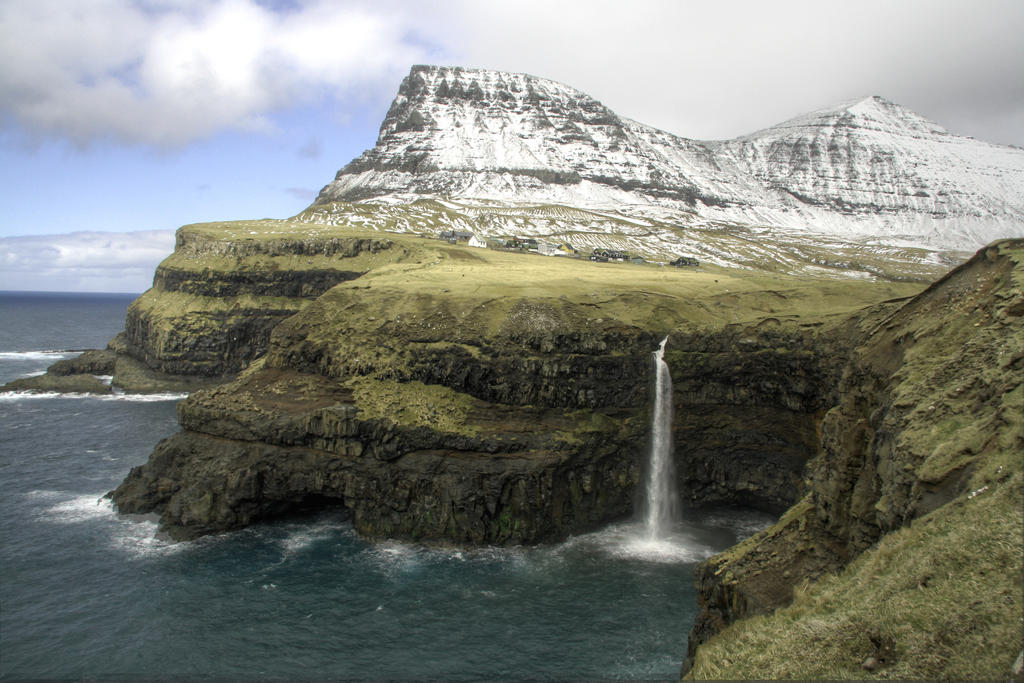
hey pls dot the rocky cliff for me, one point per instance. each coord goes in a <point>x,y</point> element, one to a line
<point>926,433</point>
<point>473,396</point>
<point>214,302</point>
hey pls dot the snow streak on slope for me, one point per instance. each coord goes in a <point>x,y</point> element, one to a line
<point>897,171</point>
<point>652,234</point>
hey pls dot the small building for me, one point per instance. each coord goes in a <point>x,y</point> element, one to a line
<point>608,255</point>
<point>454,236</point>
<point>637,260</point>
<point>478,242</point>
<point>683,261</point>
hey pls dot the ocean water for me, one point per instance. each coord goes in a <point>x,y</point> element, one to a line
<point>87,593</point>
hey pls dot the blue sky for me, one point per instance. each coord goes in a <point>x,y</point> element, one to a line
<point>121,120</point>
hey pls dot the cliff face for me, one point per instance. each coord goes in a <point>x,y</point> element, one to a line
<point>216,298</point>
<point>498,398</point>
<point>928,416</point>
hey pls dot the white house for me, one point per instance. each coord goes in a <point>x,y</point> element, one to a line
<point>476,241</point>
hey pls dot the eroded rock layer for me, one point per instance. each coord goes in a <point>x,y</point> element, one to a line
<point>502,398</point>
<point>215,300</point>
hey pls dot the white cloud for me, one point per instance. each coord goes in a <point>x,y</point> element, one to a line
<point>83,261</point>
<point>169,73</point>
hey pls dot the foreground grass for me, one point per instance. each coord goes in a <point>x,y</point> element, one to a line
<point>941,598</point>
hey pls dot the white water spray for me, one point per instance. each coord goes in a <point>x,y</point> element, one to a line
<point>662,508</point>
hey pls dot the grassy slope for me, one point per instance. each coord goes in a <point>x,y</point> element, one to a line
<point>427,292</point>
<point>649,295</point>
<point>943,596</point>
<point>635,294</point>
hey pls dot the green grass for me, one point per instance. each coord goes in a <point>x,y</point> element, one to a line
<point>945,593</point>
<point>414,404</point>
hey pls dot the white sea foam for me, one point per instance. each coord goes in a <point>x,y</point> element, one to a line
<point>44,494</point>
<point>143,398</point>
<point>303,537</point>
<point>37,355</point>
<point>78,509</point>
<point>131,398</point>
<point>396,556</point>
<point>34,395</point>
<point>139,538</point>
<point>134,535</point>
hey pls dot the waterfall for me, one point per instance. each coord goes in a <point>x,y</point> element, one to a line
<point>662,508</point>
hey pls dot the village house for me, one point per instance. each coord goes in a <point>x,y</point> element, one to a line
<point>608,255</point>
<point>454,236</point>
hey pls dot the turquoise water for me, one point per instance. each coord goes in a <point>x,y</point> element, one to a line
<point>87,593</point>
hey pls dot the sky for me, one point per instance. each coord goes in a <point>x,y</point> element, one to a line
<point>121,120</point>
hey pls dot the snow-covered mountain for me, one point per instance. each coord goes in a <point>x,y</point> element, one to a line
<point>868,170</point>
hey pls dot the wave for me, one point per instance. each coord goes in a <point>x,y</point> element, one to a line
<point>135,535</point>
<point>140,538</point>
<point>37,355</point>
<point>302,536</point>
<point>78,509</point>
<point>131,398</point>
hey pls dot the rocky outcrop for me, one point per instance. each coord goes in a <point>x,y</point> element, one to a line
<point>928,402</point>
<point>216,299</point>
<point>407,459</point>
<point>82,374</point>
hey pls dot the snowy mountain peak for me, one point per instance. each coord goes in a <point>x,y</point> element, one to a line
<point>868,113</point>
<point>865,168</point>
<point>462,96</point>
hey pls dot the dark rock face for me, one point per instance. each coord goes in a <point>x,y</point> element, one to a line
<point>244,458</point>
<point>93,362</point>
<point>203,343</point>
<point>549,433</point>
<point>305,285</point>
<point>748,404</point>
